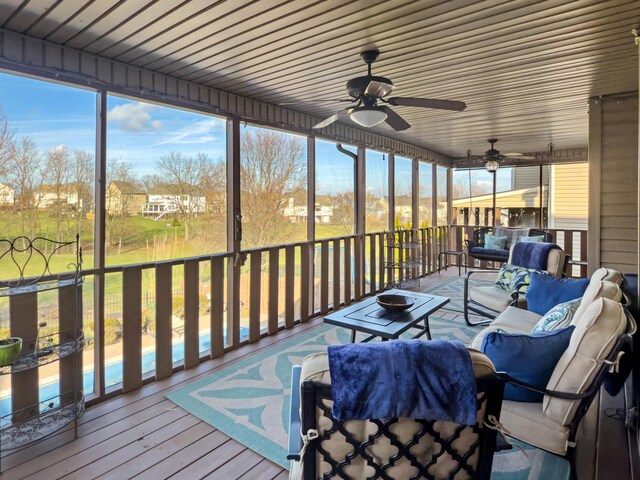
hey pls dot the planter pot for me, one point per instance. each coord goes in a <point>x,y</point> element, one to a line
<point>10,350</point>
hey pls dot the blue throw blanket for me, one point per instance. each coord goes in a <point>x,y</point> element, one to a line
<point>532,254</point>
<point>431,380</point>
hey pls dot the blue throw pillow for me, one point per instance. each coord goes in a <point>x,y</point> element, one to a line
<point>545,291</point>
<point>494,243</point>
<point>529,358</point>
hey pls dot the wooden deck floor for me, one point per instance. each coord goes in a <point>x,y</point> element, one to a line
<point>143,435</point>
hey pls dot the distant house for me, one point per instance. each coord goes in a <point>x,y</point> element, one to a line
<point>126,198</point>
<point>58,196</point>
<point>7,196</point>
<point>163,202</point>
<point>299,213</point>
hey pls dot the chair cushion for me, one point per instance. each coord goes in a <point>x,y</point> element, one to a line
<point>596,333</point>
<point>493,242</point>
<point>514,319</point>
<point>487,253</point>
<point>527,422</point>
<point>597,289</point>
<point>526,357</point>
<point>491,297</point>
<point>545,291</point>
<point>558,317</point>
<point>510,276</point>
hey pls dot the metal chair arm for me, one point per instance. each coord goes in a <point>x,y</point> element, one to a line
<point>294,443</point>
<point>552,393</point>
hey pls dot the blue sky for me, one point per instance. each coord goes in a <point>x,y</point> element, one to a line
<point>140,133</point>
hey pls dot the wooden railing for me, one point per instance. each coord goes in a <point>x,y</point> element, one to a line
<point>573,242</point>
<point>228,300</point>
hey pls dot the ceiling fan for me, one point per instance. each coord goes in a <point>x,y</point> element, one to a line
<point>492,158</point>
<point>370,90</point>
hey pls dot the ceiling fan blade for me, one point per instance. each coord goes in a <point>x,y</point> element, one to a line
<point>394,120</point>
<point>378,89</point>
<point>513,154</point>
<point>428,103</point>
<point>519,157</point>
<point>340,115</point>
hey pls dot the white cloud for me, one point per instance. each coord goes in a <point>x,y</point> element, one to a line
<point>203,131</point>
<point>134,117</point>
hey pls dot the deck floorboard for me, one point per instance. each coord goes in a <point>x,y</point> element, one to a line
<point>143,435</point>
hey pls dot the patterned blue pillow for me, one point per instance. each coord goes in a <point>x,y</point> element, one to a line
<point>559,316</point>
<point>510,276</point>
<point>491,242</point>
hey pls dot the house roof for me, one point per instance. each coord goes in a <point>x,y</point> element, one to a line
<point>130,188</point>
<point>525,69</point>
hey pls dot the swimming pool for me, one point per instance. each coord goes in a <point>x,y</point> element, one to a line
<point>113,371</point>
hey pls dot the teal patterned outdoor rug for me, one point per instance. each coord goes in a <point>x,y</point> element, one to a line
<point>249,400</point>
<point>454,289</point>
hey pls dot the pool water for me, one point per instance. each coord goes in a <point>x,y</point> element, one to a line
<point>113,373</point>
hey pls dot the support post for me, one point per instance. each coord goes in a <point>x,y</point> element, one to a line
<point>392,192</point>
<point>234,231</point>
<point>99,243</point>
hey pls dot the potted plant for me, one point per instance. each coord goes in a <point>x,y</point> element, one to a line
<point>10,349</point>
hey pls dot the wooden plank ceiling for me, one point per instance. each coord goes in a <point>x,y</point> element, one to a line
<point>525,68</point>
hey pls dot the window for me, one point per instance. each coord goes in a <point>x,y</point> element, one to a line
<point>403,195</point>
<point>165,198</point>
<point>425,202</point>
<point>335,199</point>
<point>472,197</point>
<point>377,192</point>
<point>47,164</point>
<point>166,183</point>
<point>273,187</point>
<point>441,177</point>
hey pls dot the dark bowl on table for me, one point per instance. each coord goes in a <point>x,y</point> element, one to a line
<point>395,302</point>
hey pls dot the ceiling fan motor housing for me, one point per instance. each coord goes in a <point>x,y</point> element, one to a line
<point>357,86</point>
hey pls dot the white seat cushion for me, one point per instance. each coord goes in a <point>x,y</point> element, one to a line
<point>491,297</point>
<point>517,320</point>
<point>596,333</point>
<point>526,422</point>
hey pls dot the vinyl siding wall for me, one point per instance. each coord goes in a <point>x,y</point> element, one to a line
<point>613,147</point>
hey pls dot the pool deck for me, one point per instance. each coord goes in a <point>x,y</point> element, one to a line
<point>143,435</point>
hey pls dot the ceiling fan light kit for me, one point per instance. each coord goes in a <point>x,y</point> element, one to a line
<point>368,90</point>
<point>368,116</point>
<point>492,166</point>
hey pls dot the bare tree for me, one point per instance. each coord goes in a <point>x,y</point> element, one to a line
<point>343,206</point>
<point>183,181</point>
<point>26,176</point>
<point>57,174</point>
<point>83,174</point>
<point>118,201</point>
<point>150,182</point>
<point>272,169</point>
<point>7,145</point>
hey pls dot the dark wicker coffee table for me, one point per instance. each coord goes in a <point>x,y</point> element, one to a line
<point>368,317</point>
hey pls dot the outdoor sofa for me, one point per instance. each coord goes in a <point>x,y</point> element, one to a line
<point>602,327</point>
